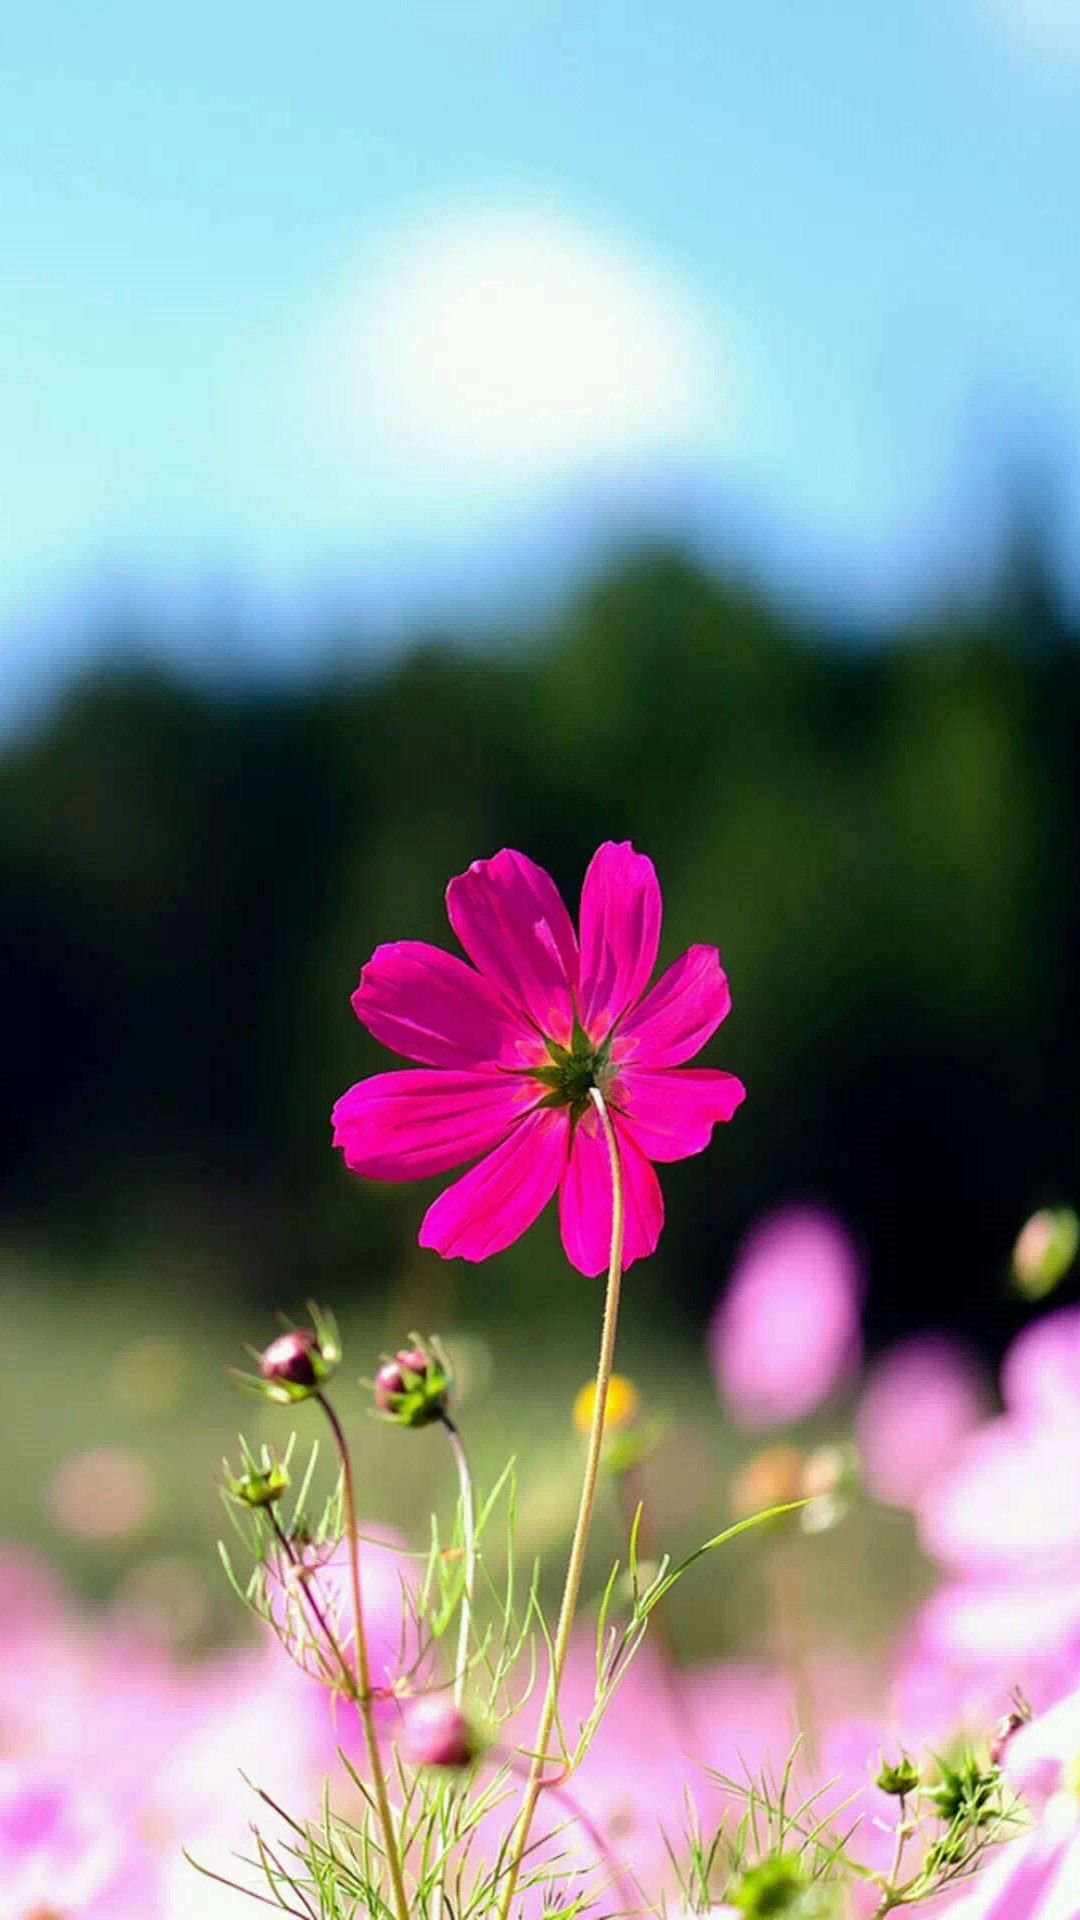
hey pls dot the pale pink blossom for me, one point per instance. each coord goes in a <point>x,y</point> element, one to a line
<point>786,1333</point>
<point>1034,1877</point>
<point>1043,1753</point>
<point>388,1584</point>
<point>61,1846</point>
<point>509,1049</point>
<point>920,1401</point>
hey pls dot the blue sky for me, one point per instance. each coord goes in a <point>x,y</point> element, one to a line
<point>402,307</point>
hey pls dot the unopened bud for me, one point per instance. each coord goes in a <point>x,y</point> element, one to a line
<point>1006,1727</point>
<point>1045,1250</point>
<point>412,1388</point>
<point>438,1734</point>
<point>899,1777</point>
<point>298,1363</point>
<point>776,1885</point>
<point>292,1359</point>
<point>260,1483</point>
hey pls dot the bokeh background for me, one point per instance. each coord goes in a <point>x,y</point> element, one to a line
<point>442,425</point>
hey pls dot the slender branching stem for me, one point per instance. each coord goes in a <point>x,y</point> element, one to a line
<point>890,1896</point>
<point>576,1563</point>
<point>468,1523</point>
<point>363,1669</point>
<point>288,1548</point>
<point>621,1877</point>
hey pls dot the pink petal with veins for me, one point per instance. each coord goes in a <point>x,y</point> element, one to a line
<point>510,918</point>
<point>431,1007</point>
<point>497,1201</point>
<point>678,1015</point>
<point>401,1126</point>
<point>620,934</point>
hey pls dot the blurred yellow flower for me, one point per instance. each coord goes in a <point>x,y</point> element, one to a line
<point>623,1405</point>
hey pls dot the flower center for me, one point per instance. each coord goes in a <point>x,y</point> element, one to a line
<point>574,1071</point>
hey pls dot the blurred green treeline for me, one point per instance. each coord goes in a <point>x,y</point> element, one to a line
<point>884,840</point>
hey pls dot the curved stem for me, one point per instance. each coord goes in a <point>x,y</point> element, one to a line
<point>363,1670</point>
<point>468,1523</point>
<point>889,1893</point>
<point>576,1563</point>
<point>622,1877</point>
<point>295,1561</point>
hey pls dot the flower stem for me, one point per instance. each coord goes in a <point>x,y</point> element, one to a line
<point>890,1895</point>
<point>576,1563</point>
<point>468,1522</point>
<point>621,1877</point>
<point>295,1561</point>
<point>363,1671</point>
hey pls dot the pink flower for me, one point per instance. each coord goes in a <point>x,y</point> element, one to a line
<point>1005,1519</point>
<point>56,1841</point>
<point>920,1402</point>
<point>786,1332</point>
<point>510,1048</point>
<point>1035,1877</point>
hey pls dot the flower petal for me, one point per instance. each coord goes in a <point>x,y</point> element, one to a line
<point>431,1007</point>
<point>400,1126</point>
<point>511,920</point>
<point>496,1202</point>
<point>620,934</point>
<point>585,1199</point>
<point>672,1114</point>
<point>679,1014</point>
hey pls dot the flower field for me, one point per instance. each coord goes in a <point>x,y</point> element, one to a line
<point>772,1625</point>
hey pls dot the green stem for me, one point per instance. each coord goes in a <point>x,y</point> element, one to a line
<point>363,1670</point>
<point>890,1894</point>
<point>621,1877</point>
<point>576,1563</point>
<point>468,1523</point>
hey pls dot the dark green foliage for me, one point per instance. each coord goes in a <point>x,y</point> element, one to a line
<point>885,842</point>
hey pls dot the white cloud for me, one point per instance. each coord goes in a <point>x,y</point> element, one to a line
<point>495,348</point>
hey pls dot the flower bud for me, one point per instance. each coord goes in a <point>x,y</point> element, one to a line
<point>297,1363</point>
<point>1003,1733</point>
<point>260,1483</point>
<point>412,1388</point>
<point>964,1790</point>
<point>776,1885</point>
<point>899,1777</point>
<point>292,1359</point>
<point>1045,1250</point>
<point>438,1734</point>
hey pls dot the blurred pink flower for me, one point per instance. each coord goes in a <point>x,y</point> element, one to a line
<point>1042,1753</point>
<point>786,1332</point>
<point>921,1400</point>
<point>1004,1521</point>
<point>58,1844</point>
<point>510,1047</point>
<point>1035,1877</point>
<point>388,1596</point>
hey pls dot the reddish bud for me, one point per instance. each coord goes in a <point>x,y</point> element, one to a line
<point>293,1358</point>
<point>1003,1733</point>
<point>411,1389</point>
<point>389,1383</point>
<point>438,1734</point>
